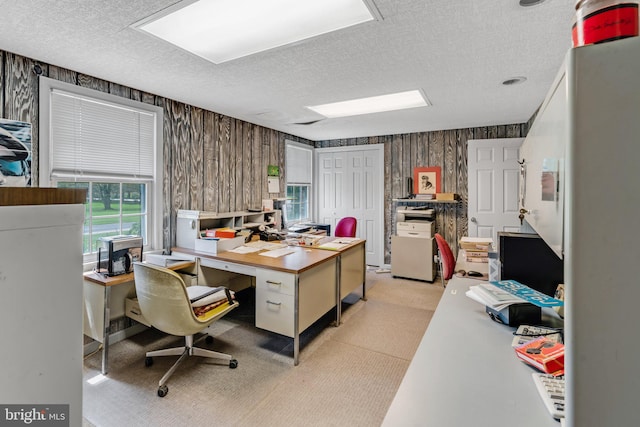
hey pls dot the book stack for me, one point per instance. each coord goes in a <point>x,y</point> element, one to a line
<point>425,196</point>
<point>476,249</point>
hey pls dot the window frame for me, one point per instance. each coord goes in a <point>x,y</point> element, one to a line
<point>155,202</point>
<point>300,182</point>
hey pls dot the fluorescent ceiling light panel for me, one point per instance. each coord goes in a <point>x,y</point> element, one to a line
<point>222,30</point>
<point>374,104</point>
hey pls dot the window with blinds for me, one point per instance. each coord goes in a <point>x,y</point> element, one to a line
<point>110,145</point>
<point>93,138</point>
<point>299,175</point>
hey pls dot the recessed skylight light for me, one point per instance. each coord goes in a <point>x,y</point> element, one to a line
<point>374,104</point>
<point>222,30</point>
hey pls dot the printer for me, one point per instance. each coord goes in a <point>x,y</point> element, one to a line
<point>413,245</point>
<point>120,253</point>
<point>415,222</point>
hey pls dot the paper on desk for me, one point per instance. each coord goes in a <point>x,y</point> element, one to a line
<point>346,240</point>
<point>244,249</point>
<point>334,246</point>
<point>261,244</point>
<point>276,253</point>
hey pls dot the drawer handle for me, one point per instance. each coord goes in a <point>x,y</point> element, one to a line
<point>271,282</point>
<point>273,303</point>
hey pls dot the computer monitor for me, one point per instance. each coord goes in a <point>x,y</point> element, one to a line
<point>528,259</point>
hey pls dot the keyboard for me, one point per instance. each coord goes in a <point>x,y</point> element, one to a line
<point>551,390</point>
<point>526,333</point>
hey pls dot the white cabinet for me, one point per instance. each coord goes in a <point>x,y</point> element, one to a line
<point>41,302</point>
<point>412,257</point>
<point>594,108</point>
<point>542,160</point>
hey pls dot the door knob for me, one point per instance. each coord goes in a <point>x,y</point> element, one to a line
<point>474,220</point>
<point>523,211</point>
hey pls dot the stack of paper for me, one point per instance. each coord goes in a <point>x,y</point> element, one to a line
<point>476,243</point>
<point>492,296</point>
<point>163,260</point>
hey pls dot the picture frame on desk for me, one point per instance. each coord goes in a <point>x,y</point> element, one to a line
<point>427,180</point>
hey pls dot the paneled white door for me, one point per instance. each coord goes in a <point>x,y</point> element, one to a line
<point>493,183</point>
<point>350,183</point>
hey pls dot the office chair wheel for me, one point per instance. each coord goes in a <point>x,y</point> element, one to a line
<point>233,363</point>
<point>163,390</point>
<point>209,339</point>
<point>148,361</point>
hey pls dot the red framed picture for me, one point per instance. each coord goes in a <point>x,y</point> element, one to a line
<point>426,180</point>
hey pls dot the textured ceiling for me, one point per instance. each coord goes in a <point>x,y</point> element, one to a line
<point>457,51</point>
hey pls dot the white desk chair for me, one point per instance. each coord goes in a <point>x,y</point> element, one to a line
<point>166,304</point>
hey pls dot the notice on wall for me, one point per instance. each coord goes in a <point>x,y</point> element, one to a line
<point>273,183</point>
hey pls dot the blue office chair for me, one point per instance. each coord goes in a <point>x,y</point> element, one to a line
<point>167,306</point>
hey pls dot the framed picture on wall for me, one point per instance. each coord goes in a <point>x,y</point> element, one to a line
<point>426,180</point>
<point>15,153</point>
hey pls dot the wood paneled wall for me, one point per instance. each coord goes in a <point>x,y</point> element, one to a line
<point>217,163</point>
<point>447,149</point>
<point>212,162</point>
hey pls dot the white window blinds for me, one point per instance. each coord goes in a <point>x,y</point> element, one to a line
<point>95,138</point>
<point>299,164</point>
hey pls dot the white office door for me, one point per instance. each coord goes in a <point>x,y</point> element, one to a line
<point>350,183</point>
<point>493,181</point>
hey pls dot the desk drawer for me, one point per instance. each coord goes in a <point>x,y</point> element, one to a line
<point>275,281</point>
<point>426,227</point>
<point>275,312</point>
<point>418,234</point>
<point>228,266</point>
<point>132,310</point>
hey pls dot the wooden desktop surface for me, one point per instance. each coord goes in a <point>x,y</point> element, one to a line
<point>102,279</point>
<point>300,260</point>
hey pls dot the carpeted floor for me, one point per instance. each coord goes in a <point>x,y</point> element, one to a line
<point>346,376</point>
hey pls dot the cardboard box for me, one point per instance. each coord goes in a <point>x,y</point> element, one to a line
<point>213,246</point>
<point>132,310</point>
<point>447,196</point>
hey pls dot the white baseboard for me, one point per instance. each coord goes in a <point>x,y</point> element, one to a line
<point>115,337</point>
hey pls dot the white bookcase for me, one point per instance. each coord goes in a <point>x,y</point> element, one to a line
<point>41,301</point>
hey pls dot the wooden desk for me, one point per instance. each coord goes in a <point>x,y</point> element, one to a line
<point>465,372</point>
<point>352,267</point>
<point>292,291</point>
<point>94,321</point>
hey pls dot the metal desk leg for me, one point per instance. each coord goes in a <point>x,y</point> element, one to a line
<point>364,274</point>
<point>106,329</point>
<point>338,290</point>
<point>296,322</point>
